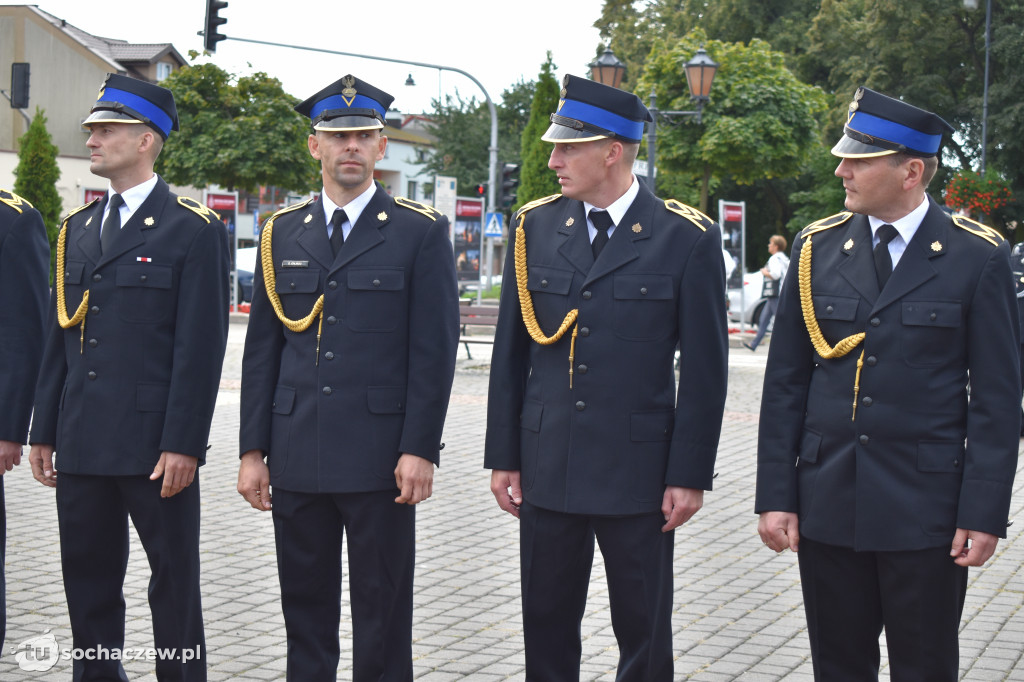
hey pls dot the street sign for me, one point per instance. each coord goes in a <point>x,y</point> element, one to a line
<point>492,228</point>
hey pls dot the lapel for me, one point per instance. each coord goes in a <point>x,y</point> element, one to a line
<point>636,225</point>
<point>313,238</point>
<point>575,246</point>
<point>366,232</point>
<point>858,266</point>
<point>915,267</point>
<point>148,216</point>
<point>88,236</point>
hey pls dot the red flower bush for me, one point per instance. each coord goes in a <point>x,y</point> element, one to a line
<point>974,193</point>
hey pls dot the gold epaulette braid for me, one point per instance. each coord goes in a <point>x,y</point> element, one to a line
<point>814,331</point>
<point>526,302</point>
<point>270,283</point>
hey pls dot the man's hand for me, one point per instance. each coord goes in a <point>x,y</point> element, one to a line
<point>779,530</point>
<point>40,458</point>
<point>254,480</point>
<point>975,553</point>
<point>178,471</point>
<point>10,455</point>
<point>507,489</point>
<point>678,505</point>
<point>414,477</point>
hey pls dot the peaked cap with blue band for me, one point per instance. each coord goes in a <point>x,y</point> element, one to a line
<point>129,100</point>
<point>589,111</point>
<point>878,125</point>
<point>347,104</point>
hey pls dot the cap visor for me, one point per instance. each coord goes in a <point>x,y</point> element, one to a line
<point>108,116</point>
<point>559,133</point>
<point>349,123</point>
<point>849,148</point>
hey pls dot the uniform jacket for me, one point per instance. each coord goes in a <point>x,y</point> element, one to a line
<point>338,421</point>
<point>24,272</point>
<point>612,442</point>
<point>142,377</point>
<point>920,459</point>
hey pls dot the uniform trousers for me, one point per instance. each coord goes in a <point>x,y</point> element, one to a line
<point>93,513</point>
<point>557,553</point>
<point>916,596</point>
<point>308,528</point>
<point>3,564</point>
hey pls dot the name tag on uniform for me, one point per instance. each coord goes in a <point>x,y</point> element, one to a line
<point>295,264</point>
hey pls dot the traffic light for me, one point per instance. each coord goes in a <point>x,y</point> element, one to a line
<point>509,183</point>
<point>213,20</point>
<point>19,85</point>
<point>480,190</point>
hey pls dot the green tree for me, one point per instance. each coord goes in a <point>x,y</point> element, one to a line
<point>536,180</point>
<point>760,124</point>
<point>36,176</point>
<point>238,133</point>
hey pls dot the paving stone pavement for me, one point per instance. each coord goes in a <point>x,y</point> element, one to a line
<point>738,610</point>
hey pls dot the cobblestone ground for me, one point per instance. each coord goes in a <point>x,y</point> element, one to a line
<point>738,611</point>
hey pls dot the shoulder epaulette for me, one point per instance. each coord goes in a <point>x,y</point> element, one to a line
<point>197,208</point>
<point>825,224</point>
<point>13,200</point>
<point>979,230</point>
<point>423,209</point>
<point>530,205</point>
<point>293,207</point>
<point>690,213</point>
<point>76,210</point>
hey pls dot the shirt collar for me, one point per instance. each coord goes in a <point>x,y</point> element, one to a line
<point>905,226</point>
<point>353,209</point>
<point>135,196</point>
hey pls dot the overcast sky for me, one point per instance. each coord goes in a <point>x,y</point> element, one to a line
<point>498,43</point>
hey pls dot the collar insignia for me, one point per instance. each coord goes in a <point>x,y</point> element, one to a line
<point>309,217</point>
<point>382,216</point>
<point>88,221</point>
<point>149,222</point>
<point>637,229</point>
<point>569,222</point>
<point>936,246</point>
<point>848,245</point>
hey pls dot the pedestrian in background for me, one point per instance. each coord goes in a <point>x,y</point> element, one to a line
<point>774,273</point>
<point>128,385</point>
<point>587,436</point>
<point>872,462</point>
<point>346,375</point>
<point>24,275</point>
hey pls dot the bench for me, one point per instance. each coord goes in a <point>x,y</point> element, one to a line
<point>472,314</point>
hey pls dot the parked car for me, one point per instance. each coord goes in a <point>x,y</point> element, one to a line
<point>752,302</point>
<point>245,261</point>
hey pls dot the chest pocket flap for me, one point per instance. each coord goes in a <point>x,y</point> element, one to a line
<point>298,282</point>
<point>835,307</point>
<point>376,280</point>
<point>643,287</point>
<point>73,272</point>
<point>548,280</point>
<point>931,313</point>
<point>144,275</point>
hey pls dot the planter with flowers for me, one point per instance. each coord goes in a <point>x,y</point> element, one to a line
<point>977,195</point>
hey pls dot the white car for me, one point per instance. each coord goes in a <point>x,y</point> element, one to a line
<point>751,303</point>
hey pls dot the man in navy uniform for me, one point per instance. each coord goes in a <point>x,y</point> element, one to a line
<point>348,366</point>
<point>872,462</point>
<point>586,434</point>
<point>138,327</point>
<point>24,272</point>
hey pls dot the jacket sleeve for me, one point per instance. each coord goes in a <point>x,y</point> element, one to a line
<point>200,338</point>
<point>24,271</point>
<point>433,343</point>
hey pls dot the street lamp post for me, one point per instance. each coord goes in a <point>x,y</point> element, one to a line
<point>700,73</point>
<point>973,4</point>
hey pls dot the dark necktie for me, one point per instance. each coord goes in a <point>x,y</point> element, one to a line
<point>112,225</point>
<point>337,234</point>
<point>883,261</point>
<point>602,221</point>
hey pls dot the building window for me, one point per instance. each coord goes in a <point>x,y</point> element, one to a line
<point>412,190</point>
<point>163,70</point>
